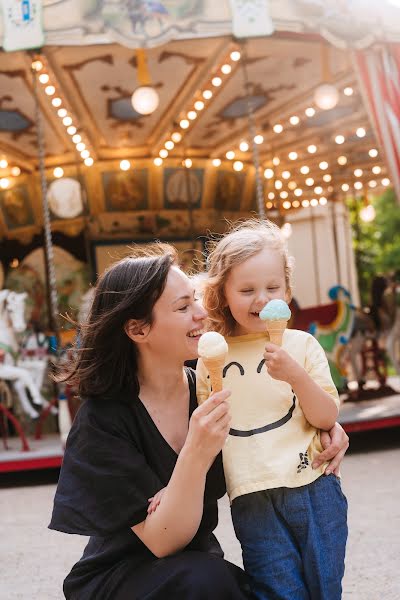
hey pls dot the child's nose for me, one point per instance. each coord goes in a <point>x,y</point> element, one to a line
<point>262,298</point>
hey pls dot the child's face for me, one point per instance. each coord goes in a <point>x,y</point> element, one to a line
<point>250,285</point>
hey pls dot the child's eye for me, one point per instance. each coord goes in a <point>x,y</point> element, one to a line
<point>246,291</point>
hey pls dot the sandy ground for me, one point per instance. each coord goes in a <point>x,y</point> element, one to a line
<point>34,560</point>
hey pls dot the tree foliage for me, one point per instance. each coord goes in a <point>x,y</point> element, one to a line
<point>376,244</point>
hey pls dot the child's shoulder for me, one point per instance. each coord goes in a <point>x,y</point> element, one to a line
<point>298,334</point>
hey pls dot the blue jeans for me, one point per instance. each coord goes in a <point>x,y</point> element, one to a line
<point>293,540</point>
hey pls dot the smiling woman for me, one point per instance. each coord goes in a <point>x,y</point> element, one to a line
<point>139,430</point>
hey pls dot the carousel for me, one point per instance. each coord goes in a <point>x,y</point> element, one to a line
<point>122,122</point>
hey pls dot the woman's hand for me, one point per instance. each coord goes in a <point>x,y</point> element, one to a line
<point>280,365</point>
<point>209,427</point>
<point>154,501</point>
<point>335,443</point>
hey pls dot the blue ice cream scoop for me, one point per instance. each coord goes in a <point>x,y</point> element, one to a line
<point>275,310</point>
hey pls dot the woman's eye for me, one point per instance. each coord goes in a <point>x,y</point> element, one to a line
<point>183,308</point>
<point>273,289</point>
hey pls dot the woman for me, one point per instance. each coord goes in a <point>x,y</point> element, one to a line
<point>139,431</point>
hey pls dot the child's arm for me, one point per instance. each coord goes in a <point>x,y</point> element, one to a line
<point>312,384</point>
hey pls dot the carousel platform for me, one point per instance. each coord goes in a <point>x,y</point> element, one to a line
<point>42,454</point>
<point>375,408</point>
<point>375,412</point>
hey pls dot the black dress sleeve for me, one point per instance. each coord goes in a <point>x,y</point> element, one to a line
<point>105,481</point>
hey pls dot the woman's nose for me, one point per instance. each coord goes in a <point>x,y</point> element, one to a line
<point>201,313</point>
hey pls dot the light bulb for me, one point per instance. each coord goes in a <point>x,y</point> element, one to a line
<point>238,165</point>
<point>367,213</point>
<point>216,162</point>
<point>244,146</point>
<point>312,148</point>
<point>58,172</point>
<point>304,170</point>
<point>326,96</point>
<point>278,128</point>
<point>158,161</point>
<point>124,165</point>
<point>258,139</point>
<point>310,112</point>
<point>268,173</point>
<point>230,155</point>
<point>145,100</point>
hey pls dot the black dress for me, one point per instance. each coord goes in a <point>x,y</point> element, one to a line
<point>114,461</point>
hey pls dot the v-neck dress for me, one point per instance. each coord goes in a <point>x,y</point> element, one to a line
<point>115,459</point>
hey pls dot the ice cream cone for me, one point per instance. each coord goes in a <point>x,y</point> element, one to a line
<point>275,329</point>
<point>215,368</point>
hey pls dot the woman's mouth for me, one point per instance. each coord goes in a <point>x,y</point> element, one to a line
<point>196,333</point>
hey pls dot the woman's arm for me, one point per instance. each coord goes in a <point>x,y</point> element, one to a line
<point>177,519</point>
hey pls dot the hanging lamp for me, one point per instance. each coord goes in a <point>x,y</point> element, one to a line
<point>326,96</point>
<point>145,98</point>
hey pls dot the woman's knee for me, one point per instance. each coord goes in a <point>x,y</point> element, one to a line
<point>207,576</point>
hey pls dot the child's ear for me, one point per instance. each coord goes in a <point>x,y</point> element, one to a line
<point>136,330</point>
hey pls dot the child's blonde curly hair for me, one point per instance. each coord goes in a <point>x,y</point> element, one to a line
<point>242,241</point>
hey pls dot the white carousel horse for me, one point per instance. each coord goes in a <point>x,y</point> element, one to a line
<point>24,374</point>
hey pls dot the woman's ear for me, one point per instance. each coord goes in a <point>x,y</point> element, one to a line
<point>136,330</point>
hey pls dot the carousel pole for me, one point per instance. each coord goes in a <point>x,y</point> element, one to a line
<point>253,133</point>
<point>51,285</point>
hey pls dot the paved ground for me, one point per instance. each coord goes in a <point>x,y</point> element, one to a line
<point>34,560</point>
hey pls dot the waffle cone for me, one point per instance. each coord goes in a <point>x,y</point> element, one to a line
<point>215,367</point>
<point>275,330</point>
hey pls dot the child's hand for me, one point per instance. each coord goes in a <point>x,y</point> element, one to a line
<point>280,365</point>
<point>155,501</point>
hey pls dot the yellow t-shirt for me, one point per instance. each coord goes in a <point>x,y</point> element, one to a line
<point>271,444</point>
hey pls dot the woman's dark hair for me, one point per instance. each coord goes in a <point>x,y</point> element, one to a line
<point>106,360</point>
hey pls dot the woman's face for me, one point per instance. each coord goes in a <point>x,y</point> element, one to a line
<point>178,318</point>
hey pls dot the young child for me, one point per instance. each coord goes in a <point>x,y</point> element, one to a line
<point>289,518</point>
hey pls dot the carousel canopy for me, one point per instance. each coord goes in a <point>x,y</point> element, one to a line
<point>125,160</point>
